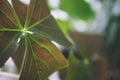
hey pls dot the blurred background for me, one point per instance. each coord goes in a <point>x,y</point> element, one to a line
<point>93,26</point>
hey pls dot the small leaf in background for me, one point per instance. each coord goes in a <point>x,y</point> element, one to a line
<point>77,8</point>
<point>78,70</point>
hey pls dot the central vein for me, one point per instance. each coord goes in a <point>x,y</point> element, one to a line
<point>25,31</point>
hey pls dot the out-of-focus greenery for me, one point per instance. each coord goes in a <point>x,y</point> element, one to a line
<point>78,70</point>
<point>105,20</point>
<point>77,8</point>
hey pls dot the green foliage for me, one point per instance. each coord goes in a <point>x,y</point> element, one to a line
<point>77,8</point>
<point>78,70</point>
<point>24,33</point>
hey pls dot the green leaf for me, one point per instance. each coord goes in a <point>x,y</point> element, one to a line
<point>51,30</point>
<point>5,22</point>
<point>78,70</point>
<point>20,39</point>
<point>8,45</point>
<point>19,54</point>
<point>77,8</point>
<point>9,12</point>
<point>42,57</point>
<point>21,10</point>
<point>37,12</point>
<point>43,20</point>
